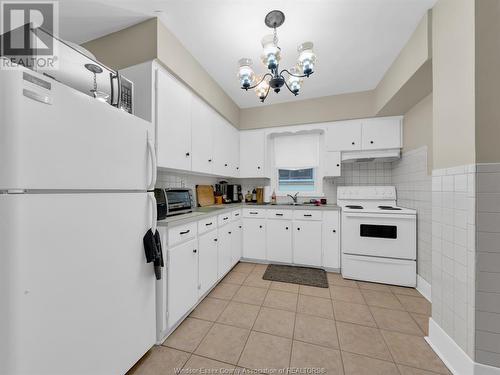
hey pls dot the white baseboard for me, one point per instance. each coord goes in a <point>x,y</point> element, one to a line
<point>424,288</point>
<point>457,361</point>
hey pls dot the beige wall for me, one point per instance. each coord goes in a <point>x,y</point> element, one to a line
<point>417,128</point>
<point>453,83</point>
<point>149,40</point>
<point>487,81</point>
<point>324,109</point>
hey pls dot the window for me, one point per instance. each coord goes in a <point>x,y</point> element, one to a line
<point>296,180</point>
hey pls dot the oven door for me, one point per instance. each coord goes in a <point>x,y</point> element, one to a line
<point>380,235</point>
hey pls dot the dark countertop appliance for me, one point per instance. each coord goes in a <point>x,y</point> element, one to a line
<point>171,202</point>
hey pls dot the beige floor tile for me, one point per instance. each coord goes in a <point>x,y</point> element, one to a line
<point>314,291</point>
<point>235,277</point>
<point>381,299</point>
<point>374,286</point>
<point>285,287</point>
<point>264,351</point>
<point>224,291</point>
<point>422,321</point>
<point>343,282</point>
<point>355,364</point>
<point>257,281</point>
<point>415,304</point>
<point>275,322</point>
<point>333,276</point>
<point>406,291</point>
<point>260,269</point>
<point>413,351</point>
<point>209,309</point>
<point>315,306</point>
<point>160,360</point>
<point>395,320</point>
<point>309,356</point>
<point>202,366</point>
<point>362,340</point>
<point>316,330</point>
<point>188,335</point>
<point>223,343</point>
<point>239,315</point>
<point>405,370</point>
<point>251,295</point>
<point>244,267</point>
<point>342,293</point>
<point>353,313</point>
<point>281,300</point>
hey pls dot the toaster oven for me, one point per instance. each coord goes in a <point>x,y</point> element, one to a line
<point>171,202</point>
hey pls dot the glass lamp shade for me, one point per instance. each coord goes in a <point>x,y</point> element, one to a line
<point>262,89</point>
<point>295,83</point>
<point>307,58</point>
<point>270,53</point>
<point>245,73</point>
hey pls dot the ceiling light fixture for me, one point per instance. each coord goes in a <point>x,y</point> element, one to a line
<point>271,55</point>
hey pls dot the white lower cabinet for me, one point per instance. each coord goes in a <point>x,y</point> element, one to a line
<point>254,239</point>
<point>224,251</point>
<point>307,243</point>
<point>279,240</point>
<point>182,280</point>
<point>207,261</point>
<point>236,242</point>
<point>331,239</point>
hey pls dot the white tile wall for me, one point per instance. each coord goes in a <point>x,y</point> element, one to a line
<point>178,180</point>
<point>488,264</point>
<point>453,248</point>
<point>414,190</point>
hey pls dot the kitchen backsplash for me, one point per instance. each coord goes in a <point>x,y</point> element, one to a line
<point>178,180</point>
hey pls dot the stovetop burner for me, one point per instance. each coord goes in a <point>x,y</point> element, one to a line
<point>354,207</point>
<point>389,208</point>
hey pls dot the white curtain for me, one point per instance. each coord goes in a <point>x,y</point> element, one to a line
<point>296,151</point>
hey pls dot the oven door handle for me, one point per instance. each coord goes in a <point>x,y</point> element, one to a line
<point>380,216</point>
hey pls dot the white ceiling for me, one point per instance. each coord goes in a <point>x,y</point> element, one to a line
<point>355,40</point>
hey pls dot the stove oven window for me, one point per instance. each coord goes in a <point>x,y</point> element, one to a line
<point>378,231</point>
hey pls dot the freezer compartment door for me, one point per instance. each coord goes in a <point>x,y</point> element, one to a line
<point>54,137</point>
<point>77,295</point>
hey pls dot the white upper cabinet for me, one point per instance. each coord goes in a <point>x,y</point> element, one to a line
<point>333,165</point>
<point>344,136</point>
<point>235,151</point>
<point>252,153</point>
<point>222,147</point>
<point>173,106</point>
<point>202,122</point>
<point>381,133</point>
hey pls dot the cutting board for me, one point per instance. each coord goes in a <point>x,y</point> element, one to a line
<point>205,195</point>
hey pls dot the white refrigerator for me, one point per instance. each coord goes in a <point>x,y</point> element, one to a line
<point>76,294</point>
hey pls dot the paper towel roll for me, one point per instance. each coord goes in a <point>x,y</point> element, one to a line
<point>267,194</point>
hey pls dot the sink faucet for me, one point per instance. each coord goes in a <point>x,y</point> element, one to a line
<point>294,197</point>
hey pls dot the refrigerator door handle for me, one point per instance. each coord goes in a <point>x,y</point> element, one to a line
<point>152,156</point>
<point>153,211</point>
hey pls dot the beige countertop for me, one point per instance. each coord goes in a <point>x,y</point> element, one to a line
<point>204,212</point>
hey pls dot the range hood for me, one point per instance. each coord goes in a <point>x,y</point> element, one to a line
<point>391,154</point>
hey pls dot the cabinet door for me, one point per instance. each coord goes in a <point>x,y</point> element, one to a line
<point>182,280</point>
<point>225,255</point>
<point>236,242</point>
<point>333,165</point>
<point>344,136</point>
<point>380,133</point>
<point>235,152</point>
<point>173,105</point>
<point>331,239</point>
<point>202,136</point>
<point>279,240</point>
<point>222,148</point>
<point>207,261</point>
<point>252,152</point>
<point>254,239</point>
<point>307,243</point>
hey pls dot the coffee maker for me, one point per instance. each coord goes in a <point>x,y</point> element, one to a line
<point>234,194</point>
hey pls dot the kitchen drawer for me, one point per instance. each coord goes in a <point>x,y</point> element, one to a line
<point>236,214</point>
<point>254,212</point>
<point>181,233</point>
<point>207,224</point>
<point>307,215</point>
<point>224,218</point>
<point>280,214</point>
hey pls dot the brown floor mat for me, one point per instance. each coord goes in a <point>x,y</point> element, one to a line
<point>296,275</point>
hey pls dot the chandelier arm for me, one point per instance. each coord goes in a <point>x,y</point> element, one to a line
<point>258,83</point>
<point>288,87</point>
<point>294,75</point>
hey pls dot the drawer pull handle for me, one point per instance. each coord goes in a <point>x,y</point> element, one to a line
<point>307,215</point>
<point>228,232</point>
<point>279,214</point>
<point>236,214</point>
<point>195,251</point>
<point>225,165</point>
<point>185,232</point>
<point>260,226</point>
<point>298,228</point>
<point>215,239</point>
<point>225,218</point>
<point>371,142</point>
<point>187,154</point>
<point>286,228</point>
<point>334,231</point>
<point>239,226</point>
<point>253,213</point>
<point>353,143</point>
<point>208,224</point>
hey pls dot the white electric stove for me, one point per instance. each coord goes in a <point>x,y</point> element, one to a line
<point>379,241</point>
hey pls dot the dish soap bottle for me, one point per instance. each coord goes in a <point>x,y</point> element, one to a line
<point>254,195</point>
<point>273,198</point>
